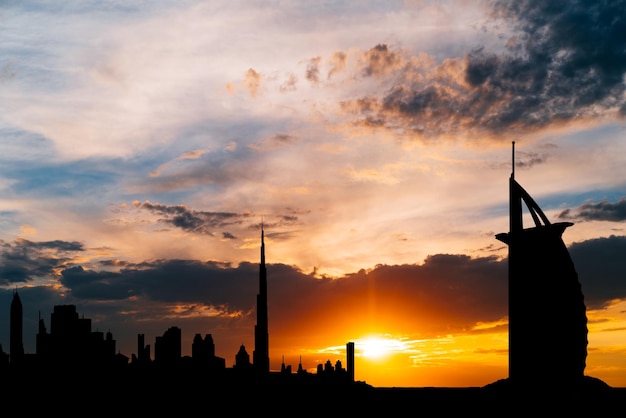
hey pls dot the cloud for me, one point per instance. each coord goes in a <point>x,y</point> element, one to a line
<point>313,70</point>
<point>222,169</point>
<point>600,265</point>
<point>96,285</point>
<point>562,64</point>
<point>380,60</point>
<point>228,235</point>
<point>169,281</point>
<point>290,84</point>
<point>384,176</point>
<point>452,291</point>
<point>337,63</point>
<point>190,155</point>
<point>23,261</point>
<point>252,81</point>
<point>601,211</point>
<point>190,220</point>
<point>274,142</point>
<point>446,294</point>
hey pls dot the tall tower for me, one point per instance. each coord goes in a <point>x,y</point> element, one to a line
<point>17,342</point>
<point>260,355</point>
<point>350,360</point>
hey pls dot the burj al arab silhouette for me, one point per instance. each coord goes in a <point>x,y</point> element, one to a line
<point>547,313</point>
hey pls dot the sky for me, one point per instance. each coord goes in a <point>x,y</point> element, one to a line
<point>144,144</point>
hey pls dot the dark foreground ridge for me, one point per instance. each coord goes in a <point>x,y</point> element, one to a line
<point>178,391</point>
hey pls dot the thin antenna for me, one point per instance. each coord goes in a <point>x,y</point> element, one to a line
<point>513,161</point>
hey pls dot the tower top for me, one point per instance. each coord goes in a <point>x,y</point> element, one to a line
<point>513,160</point>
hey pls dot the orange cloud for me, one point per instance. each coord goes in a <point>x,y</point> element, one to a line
<point>252,81</point>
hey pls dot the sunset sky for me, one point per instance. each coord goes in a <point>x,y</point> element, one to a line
<point>143,144</point>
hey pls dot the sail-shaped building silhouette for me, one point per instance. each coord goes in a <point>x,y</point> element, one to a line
<point>547,313</point>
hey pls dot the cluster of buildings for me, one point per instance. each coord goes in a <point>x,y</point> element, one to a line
<point>70,344</point>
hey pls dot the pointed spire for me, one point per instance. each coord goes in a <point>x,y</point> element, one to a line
<point>513,161</point>
<point>262,245</point>
<point>261,333</point>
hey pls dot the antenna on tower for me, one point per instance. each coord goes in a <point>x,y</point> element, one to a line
<point>513,161</point>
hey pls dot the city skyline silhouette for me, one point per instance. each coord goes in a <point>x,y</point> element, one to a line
<point>71,350</point>
<point>71,343</point>
<point>145,146</point>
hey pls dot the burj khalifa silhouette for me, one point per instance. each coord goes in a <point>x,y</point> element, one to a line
<point>260,356</point>
<point>547,313</point>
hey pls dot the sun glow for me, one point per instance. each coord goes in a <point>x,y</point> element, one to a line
<point>378,347</point>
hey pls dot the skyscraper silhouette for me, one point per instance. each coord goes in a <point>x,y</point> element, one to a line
<point>350,360</point>
<point>260,355</point>
<point>543,290</point>
<point>17,341</point>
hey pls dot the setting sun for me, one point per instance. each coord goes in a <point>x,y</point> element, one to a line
<point>378,347</point>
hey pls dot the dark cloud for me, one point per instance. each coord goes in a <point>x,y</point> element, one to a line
<point>446,294</point>
<point>87,284</point>
<point>23,260</point>
<point>449,293</point>
<point>463,289</point>
<point>203,222</point>
<point>193,221</point>
<point>602,211</point>
<point>601,264</point>
<point>171,281</point>
<point>565,61</point>
<point>56,245</point>
<point>571,60</point>
<point>454,292</point>
<point>113,263</point>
